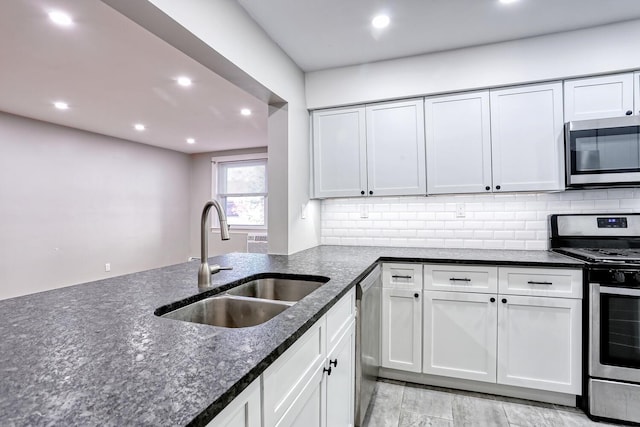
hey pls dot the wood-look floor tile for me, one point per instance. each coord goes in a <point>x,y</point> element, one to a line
<point>386,402</point>
<point>428,402</point>
<point>472,411</point>
<point>522,415</point>
<point>413,419</point>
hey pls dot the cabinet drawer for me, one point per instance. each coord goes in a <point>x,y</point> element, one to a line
<point>339,318</point>
<point>406,276</point>
<point>461,278</point>
<point>546,282</point>
<point>287,377</point>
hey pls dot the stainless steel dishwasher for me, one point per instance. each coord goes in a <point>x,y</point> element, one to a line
<point>368,302</point>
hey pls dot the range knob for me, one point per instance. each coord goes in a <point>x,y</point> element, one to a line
<point>618,276</point>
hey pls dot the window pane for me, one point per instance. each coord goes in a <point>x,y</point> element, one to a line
<point>245,210</point>
<point>246,178</point>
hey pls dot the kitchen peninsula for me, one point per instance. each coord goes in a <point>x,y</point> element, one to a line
<point>95,353</point>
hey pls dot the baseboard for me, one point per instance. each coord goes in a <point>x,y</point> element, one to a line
<point>480,387</point>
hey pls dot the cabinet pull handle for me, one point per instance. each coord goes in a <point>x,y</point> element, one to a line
<point>532,282</point>
<point>455,279</point>
<point>395,276</point>
<point>371,192</point>
<point>328,371</point>
<point>629,112</point>
<point>497,187</point>
<point>504,300</point>
<point>487,188</point>
<point>492,299</point>
<point>416,295</point>
<point>333,362</point>
<point>362,192</point>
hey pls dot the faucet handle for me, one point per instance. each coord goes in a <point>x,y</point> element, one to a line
<point>215,268</point>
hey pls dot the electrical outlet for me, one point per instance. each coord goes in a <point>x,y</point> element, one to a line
<point>364,211</point>
<point>303,211</point>
<point>107,267</point>
<point>460,213</point>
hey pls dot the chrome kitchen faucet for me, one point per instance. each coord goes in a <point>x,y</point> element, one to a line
<point>205,271</point>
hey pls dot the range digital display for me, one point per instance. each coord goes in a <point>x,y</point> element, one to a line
<point>612,222</point>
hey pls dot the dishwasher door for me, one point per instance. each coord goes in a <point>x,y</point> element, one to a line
<point>368,309</point>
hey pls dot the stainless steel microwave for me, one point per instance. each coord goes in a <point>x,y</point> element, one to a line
<point>603,152</point>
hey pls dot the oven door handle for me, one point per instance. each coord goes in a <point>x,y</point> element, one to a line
<point>619,291</point>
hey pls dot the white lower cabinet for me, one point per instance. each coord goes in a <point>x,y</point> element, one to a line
<point>533,340</point>
<point>312,384</point>
<point>460,335</point>
<point>340,382</point>
<point>539,343</point>
<point>243,411</point>
<point>402,329</point>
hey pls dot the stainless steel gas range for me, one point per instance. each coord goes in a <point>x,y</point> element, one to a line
<point>610,244</point>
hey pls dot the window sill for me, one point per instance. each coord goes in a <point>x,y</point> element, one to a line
<point>241,230</point>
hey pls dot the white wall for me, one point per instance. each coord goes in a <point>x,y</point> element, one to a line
<point>71,201</point>
<point>228,30</point>
<point>200,192</point>
<point>597,50</point>
<point>500,221</point>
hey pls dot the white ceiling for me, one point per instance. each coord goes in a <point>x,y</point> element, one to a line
<point>325,34</point>
<point>113,73</point>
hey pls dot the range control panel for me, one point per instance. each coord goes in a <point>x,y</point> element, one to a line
<point>612,222</point>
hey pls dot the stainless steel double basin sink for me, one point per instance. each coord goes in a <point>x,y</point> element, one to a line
<point>250,303</point>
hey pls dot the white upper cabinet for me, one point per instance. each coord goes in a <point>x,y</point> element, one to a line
<point>527,138</point>
<point>396,148</point>
<point>376,150</point>
<point>458,139</point>
<point>339,152</point>
<point>599,97</point>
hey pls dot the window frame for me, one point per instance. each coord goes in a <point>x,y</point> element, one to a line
<point>216,194</point>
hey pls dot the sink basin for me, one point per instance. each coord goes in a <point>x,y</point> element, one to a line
<point>247,304</point>
<point>276,289</point>
<point>228,311</point>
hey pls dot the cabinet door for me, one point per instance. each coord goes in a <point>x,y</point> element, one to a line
<point>243,411</point>
<point>539,343</point>
<point>395,148</point>
<point>458,138</point>
<point>339,152</point>
<point>527,138</point>
<point>401,329</point>
<point>598,97</point>
<point>308,408</point>
<point>341,381</point>
<point>460,335</point>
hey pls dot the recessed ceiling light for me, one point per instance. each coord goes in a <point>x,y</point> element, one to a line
<point>508,1</point>
<point>245,112</point>
<point>60,18</point>
<point>61,105</point>
<point>191,141</point>
<point>139,127</point>
<point>184,81</point>
<point>380,21</point>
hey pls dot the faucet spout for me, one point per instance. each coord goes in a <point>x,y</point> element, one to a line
<point>204,272</point>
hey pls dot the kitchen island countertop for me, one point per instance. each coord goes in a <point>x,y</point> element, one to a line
<point>95,353</point>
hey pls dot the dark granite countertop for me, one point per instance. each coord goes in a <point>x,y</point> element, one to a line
<point>96,354</point>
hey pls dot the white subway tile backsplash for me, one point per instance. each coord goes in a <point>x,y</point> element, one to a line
<point>491,221</point>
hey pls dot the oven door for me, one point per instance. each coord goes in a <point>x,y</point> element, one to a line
<point>614,351</point>
<point>602,155</point>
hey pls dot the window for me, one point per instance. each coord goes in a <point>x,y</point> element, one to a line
<point>242,191</point>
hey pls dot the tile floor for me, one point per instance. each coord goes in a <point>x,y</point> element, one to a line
<point>396,404</point>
